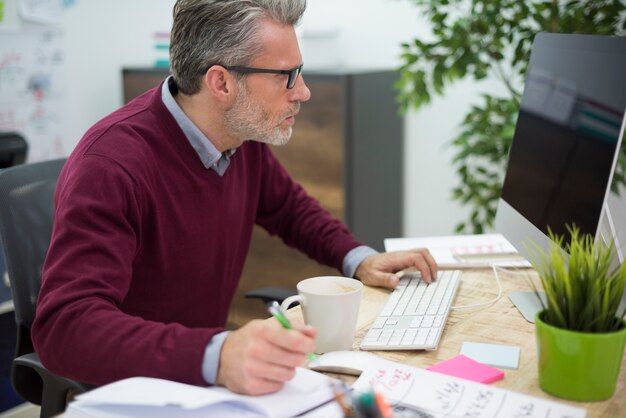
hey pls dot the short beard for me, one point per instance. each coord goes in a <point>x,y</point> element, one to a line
<point>247,120</point>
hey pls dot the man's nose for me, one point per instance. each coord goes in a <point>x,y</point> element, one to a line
<point>301,92</point>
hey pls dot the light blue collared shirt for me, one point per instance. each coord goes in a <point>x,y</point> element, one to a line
<point>213,159</point>
<point>209,155</point>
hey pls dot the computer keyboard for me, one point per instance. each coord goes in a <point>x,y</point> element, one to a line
<point>414,315</point>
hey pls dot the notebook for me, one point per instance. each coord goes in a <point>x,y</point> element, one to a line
<point>158,398</point>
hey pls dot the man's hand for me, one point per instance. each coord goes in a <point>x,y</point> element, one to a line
<point>261,356</point>
<point>379,269</point>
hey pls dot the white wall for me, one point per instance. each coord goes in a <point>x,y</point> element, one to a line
<point>369,33</point>
<point>104,36</point>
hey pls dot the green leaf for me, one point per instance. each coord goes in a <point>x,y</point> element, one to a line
<point>582,293</point>
<point>477,38</point>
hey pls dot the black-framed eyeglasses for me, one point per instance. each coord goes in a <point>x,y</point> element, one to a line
<point>292,74</point>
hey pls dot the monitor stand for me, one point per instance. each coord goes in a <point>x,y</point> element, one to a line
<point>527,303</point>
<point>610,227</point>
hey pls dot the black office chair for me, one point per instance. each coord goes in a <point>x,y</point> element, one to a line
<point>26,209</point>
<point>26,215</point>
<point>270,294</point>
<point>13,149</point>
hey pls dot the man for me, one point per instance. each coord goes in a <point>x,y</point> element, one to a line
<point>155,209</point>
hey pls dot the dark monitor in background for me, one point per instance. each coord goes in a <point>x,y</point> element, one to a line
<point>13,149</point>
<point>567,139</point>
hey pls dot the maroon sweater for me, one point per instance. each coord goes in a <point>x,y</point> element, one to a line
<point>148,246</point>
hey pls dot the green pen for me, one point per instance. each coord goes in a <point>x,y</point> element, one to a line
<point>277,312</point>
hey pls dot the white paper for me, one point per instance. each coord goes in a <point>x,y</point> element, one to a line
<point>33,91</point>
<point>142,396</point>
<point>330,410</point>
<point>464,249</point>
<point>48,12</point>
<point>440,395</point>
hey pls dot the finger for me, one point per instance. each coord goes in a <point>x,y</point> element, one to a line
<point>424,263</point>
<point>288,346</point>
<point>271,362</point>
<point>260,386</point>
<point>422,266</point>
<point>270,371</point>
<point>244,366</point>
<point>432,264</point>
<point>390,281</point>
<point>383,279</point>
<point>307,330</point>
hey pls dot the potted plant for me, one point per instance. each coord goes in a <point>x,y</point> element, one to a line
<point>581,331</point>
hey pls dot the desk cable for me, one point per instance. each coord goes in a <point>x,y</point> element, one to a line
<point>489,302</point>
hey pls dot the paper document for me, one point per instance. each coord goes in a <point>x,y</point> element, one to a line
<point>155,398</point>
<point>462,250</point>
<point>436,395</point>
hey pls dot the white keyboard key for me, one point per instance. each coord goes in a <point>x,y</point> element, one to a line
<point>416,321</point>
<point>398,333</point>
<point>422,334</point>
<point>419,341</point>
<point>414,314</point>
<point>379,323</point>
<point>375,333</point>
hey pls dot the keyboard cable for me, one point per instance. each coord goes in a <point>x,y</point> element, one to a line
<point>489,302</point>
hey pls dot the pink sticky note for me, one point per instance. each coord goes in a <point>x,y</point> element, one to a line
<point>466,368</point>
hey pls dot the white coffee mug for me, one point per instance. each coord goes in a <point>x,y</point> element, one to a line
<point>331,305</point>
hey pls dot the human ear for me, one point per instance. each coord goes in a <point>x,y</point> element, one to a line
<point>219,82</point>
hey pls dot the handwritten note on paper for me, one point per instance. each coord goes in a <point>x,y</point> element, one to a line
<point>440,395</point>
<point>33,91</point>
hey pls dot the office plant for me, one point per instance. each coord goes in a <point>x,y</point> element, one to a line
<point>477,39</point>
<point>580,330</point>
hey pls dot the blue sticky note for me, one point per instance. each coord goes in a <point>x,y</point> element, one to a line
<point>496,355</point>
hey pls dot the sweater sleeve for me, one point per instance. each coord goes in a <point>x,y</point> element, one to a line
<point>286,210</point>
<point>80,330</point>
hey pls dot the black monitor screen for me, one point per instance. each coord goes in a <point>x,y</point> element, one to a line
<point>567,131</point>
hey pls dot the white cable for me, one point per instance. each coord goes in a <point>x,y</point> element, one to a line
<point>489,302</point>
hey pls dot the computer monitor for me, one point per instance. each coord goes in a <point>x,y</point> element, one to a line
<point>566,143</point>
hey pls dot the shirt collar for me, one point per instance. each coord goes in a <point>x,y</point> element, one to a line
<point>209,155</point>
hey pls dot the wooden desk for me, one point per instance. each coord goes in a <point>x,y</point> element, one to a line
<point>500,323</point>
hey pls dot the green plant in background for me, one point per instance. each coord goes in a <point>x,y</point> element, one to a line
<point>479,38</point>
<point>582,292</point>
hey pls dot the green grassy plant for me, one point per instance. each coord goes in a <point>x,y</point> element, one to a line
<point>582,292</point>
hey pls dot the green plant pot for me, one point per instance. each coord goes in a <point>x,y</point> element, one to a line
<point>578,366</point>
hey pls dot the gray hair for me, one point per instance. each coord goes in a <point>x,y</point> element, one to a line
<point>209,32</point>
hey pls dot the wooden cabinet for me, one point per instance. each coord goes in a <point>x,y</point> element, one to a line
<point>346,151</point>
